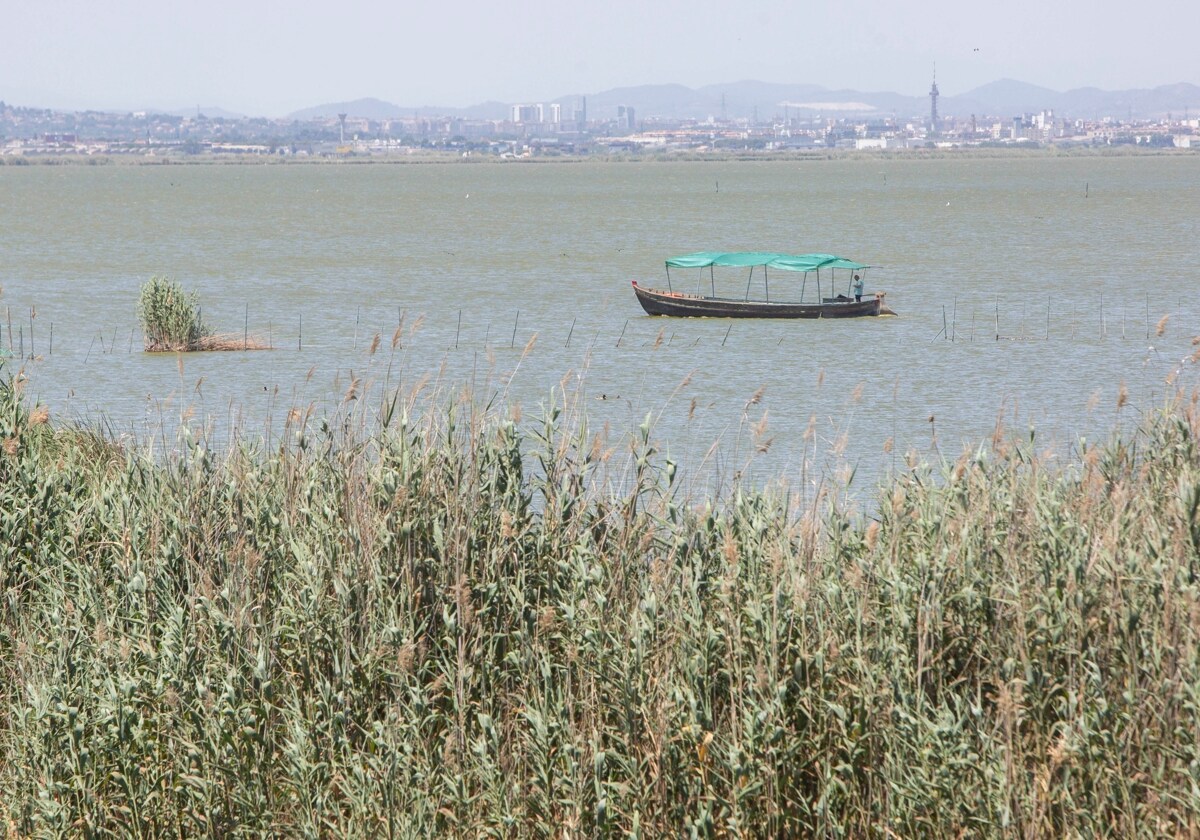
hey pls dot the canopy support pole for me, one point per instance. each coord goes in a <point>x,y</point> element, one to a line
<point>712,280</point>
<point>669,289</point>
<point>748,279</point>
<point>766,284</point>
<point>803,283</point>
<point>819,286</point>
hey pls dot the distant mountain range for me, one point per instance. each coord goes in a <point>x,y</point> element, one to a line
<point>377,109</point>
<point>747,99</point>
<point>212,112</point>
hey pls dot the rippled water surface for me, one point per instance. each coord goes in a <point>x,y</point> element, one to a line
<point>1075,261</point>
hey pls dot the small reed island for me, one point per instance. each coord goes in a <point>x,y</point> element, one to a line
<point>172,323</point>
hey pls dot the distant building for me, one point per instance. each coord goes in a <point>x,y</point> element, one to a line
<point>522,114</point>
<point>555,113</point>
<point>933,109</point>
<point>625,117</point>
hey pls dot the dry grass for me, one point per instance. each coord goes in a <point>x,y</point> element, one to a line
<point>217,343</point>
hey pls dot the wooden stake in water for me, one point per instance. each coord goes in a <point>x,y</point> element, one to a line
<point>246,330</point>
<point>51,353</point>
<point>300,335</point>
<point>726,338</point>
<point>954,321</point>
<point>32,314</point>
<point>945,329</point>
<point>622,335</point>
<point>997,319</point>
<point>570,332</point>
<point>513,342</point>
<point>459,330</point>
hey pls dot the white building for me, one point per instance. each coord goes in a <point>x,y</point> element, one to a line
<point>527,113</point>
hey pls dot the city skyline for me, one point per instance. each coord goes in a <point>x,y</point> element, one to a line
<point>743,100</point>
<point>536,130</point>
<point>130,55</point>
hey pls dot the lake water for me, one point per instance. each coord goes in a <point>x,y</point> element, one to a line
<point>1076,258</point>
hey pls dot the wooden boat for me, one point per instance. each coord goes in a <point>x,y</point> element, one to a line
<point>680,304</point>
<point>696,305</point>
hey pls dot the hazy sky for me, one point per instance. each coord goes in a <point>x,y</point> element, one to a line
<point>272,58</point>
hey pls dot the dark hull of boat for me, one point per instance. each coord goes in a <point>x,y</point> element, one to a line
<point>679,305</point>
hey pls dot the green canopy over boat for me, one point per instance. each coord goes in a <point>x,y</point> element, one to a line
<point>786,262</point>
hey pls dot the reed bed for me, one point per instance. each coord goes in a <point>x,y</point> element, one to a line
<point>460,624</point>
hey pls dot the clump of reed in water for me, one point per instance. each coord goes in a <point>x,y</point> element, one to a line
<point>465,626</point>
<point>170,316</point>
<point>171,321</point>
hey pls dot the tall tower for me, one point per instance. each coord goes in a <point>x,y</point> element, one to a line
<point>342,128</point>
<point>933,95</point>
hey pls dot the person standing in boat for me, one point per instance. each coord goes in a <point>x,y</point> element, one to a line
<point>858,287</point>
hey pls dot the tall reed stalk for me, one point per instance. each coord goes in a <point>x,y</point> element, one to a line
<point>461,625</point>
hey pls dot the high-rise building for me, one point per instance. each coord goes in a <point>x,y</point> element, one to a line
<point>933,98</point>
<point>555,113</point>
<point>527,113</point>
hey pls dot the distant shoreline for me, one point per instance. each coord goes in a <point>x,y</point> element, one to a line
<point>690,157</point>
